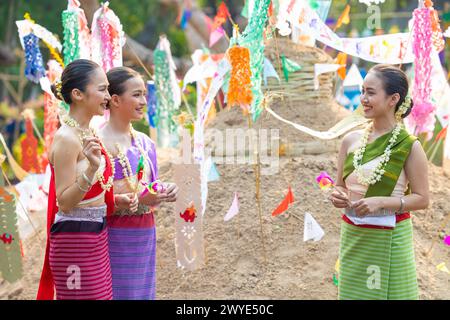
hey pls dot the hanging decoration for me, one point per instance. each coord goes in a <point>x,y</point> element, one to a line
<point>289,66</point>
<point>152,103</point>
<point>240,87</point>
<point>108,38</point>
<point>10,251</point>
<point>284,205</point>
<point>234,208</point>
<point>423,113</point>
<point>34,69</point>
<point>71,43</point>
<point>253,39</point>
<point>29,149</point>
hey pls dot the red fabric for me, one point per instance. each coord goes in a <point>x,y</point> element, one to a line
<point>132,221</point>
<point>283,206</point>
<point>398,218</point>
<point>46,289</point>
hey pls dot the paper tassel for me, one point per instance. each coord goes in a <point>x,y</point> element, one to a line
<point>34,69</point>
<point>253,39</point>
<point>289,66</point>
<point>284,205</point>
<point>10,253</point>
<point>269,71</point>
<point>152,104</point>
<point>423,113</point>
<point>312,230</point>
<point>234,209</point>
<point>239,90</point>
<point>107,38</point>
<point>71,48</point>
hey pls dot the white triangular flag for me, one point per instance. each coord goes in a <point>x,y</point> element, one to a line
<point>269,71</point>
<point>320,68</point>
<point>353,78</point>
<point>447,33</point>
<point>234,209</point>
<point>312,230</point>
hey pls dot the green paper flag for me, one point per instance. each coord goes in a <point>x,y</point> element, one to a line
<point>10,253</point>
<point>314,4</point>
<point>289,66</point>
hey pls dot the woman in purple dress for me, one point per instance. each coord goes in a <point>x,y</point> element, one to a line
<point>132,235</point>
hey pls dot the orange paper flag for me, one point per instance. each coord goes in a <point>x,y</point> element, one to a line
<point>284,205</point>
<point>344,18</point>
<point>29,150</point>
<point>342,60</point>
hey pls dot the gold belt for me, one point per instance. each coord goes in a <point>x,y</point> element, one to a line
<point>142,209</point>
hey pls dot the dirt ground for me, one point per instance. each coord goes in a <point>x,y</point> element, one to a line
<point>240,264</point>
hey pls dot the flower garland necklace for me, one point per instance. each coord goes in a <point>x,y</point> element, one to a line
<point>379,171</point>
<point>71,122</point>
<point>123,160</point>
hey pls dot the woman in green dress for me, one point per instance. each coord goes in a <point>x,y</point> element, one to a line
<point>382,176</point>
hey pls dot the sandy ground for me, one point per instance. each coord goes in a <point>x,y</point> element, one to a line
<point>240,263</point>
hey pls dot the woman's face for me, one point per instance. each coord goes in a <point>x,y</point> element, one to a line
<point>131,103</point>
<point>96,95</point>
<point>375,101</point>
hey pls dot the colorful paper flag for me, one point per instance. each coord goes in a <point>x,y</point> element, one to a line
<point>442,267</point>
<point>344,18</point>
<point>353,78</point>
<point>213,173</point>
<point>342,60</point>
<point>289,66</point>
<point>320,68</point>
<point>269,71</point>
<point>215,36</point>
<point>284,205</point>
<point>312,230</point>
<point>234,209</point>
<point>29,149</point>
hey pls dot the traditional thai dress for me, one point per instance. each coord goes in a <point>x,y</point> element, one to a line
<point>376,252</point>
<point>76,259</point>
<point>132,236</point>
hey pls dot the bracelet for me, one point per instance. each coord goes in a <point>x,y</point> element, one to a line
<point>79,187</point>
<point>86,179</point>
<point>402,204</point>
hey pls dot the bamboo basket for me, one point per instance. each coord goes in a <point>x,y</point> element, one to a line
<point>300,86</point>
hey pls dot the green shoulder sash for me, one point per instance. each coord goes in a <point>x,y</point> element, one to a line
<point>400,152</point>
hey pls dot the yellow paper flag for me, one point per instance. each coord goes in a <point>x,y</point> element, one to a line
<point>442,267</point>
<point>344,18</point>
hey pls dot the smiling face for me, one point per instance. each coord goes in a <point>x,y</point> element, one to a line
<point>95,97</point>
<point>376,102</point>
<point>131,103</point>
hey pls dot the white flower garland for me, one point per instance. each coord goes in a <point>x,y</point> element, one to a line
<point>378,172</point>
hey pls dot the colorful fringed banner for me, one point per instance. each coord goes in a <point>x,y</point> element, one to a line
<point>107,38</point>
<point>423,113</point>
<point>152,104</point>
<point>34,69</point>
<point>163,89</point>
<point>240,87</point>
<point>71,49</point>
<point>253,39</point>
<point>10,249</point>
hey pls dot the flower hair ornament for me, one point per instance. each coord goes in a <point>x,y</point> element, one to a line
<point>403,108</point>
<point>58,86</point>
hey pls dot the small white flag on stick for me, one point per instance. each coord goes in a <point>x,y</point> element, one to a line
<point>312,230</point>
<point>234,209</point>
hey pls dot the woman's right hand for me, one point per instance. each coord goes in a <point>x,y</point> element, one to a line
<point>339,200</point>
<point>92,152</point>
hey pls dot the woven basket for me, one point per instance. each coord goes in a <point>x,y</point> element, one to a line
<point>300,86</point>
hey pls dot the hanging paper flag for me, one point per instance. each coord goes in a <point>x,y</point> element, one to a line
<point>320,68</point>
<point>215,36</point>
<point>239,90</point>
<point>284,205</point>
<point>28,26</point>
<point>151,104</point>
<point>289,66</point>
<point>29,149</point>
<point>447,240</point>
<point>442,267</point>
<point>221,16</point>
<point>312,230</point>
<point>353,78</point>
<point>269,71</point>
<point>344,18</point>
<point>187,14</point>
<point>342,60</point>
<point>323,9</point>
<point>84,34</point>
<point>447,33</point>
<point>71,41</point>
<point>234,209</point>
<point>10,252</point>
<point>213,173</point>
<point>108,38</point>
<point>34,69</point>
<point>17,169</point>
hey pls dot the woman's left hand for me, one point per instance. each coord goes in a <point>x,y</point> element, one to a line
<point>366,206</point>
<point>171,192</point>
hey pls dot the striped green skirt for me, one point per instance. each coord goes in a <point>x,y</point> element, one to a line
<point>377,264</point>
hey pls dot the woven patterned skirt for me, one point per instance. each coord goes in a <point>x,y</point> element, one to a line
<point>132,249</point>
<point>79,259</point>
<point>377,264</point>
